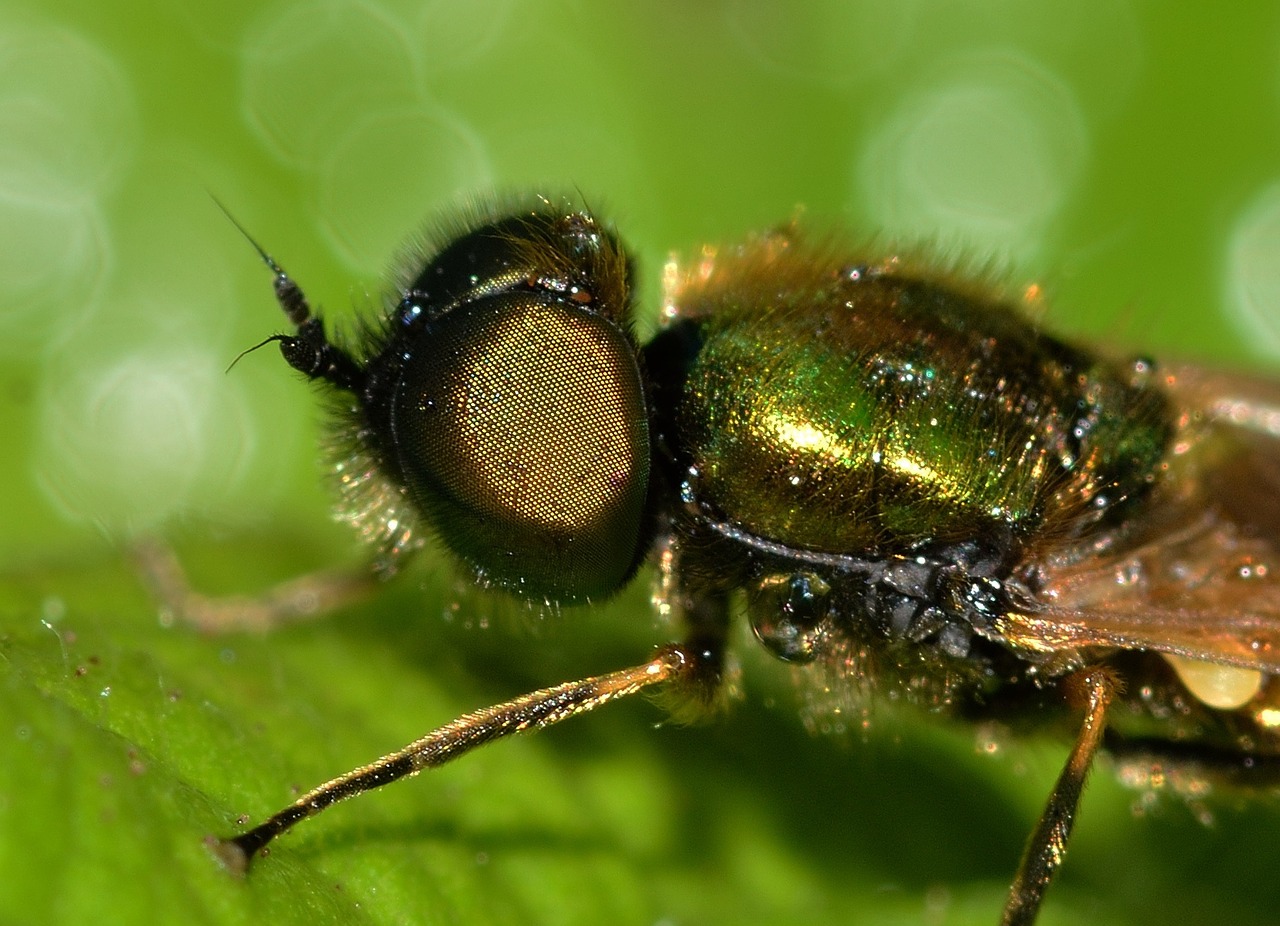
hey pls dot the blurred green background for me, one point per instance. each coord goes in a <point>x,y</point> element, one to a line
<point>1127,155</point>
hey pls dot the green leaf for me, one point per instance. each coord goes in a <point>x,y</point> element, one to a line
<point>127,742</point>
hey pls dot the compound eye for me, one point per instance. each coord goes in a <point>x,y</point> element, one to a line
<point>521,428</point>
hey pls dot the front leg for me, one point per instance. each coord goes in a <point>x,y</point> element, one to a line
<point>673,663</point>
<point>701,606</point>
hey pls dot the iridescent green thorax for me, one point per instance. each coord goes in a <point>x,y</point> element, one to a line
<point>871,410</point>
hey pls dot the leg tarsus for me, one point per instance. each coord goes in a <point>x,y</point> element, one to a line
<point>542,708</point>
<point>231,854</point>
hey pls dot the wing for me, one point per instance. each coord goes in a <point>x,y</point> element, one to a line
<point>1202,578</point>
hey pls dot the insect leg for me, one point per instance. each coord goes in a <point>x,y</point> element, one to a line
<point>1141,759</point>
<point>673,662</point>
<point>1095,687</point>
<point>704,612</point>
<point>312,595</point>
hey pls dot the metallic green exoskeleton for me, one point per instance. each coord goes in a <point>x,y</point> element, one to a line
<point>910,444</point>
<point>898,474</point>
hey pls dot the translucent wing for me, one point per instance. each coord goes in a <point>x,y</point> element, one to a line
<point>1202,579</point>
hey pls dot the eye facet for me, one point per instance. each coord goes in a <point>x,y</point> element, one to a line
<point>517,416</point>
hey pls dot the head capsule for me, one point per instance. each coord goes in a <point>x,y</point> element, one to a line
<point>509,398</point>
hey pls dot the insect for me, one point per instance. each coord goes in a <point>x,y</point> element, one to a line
<point>889,471</point>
